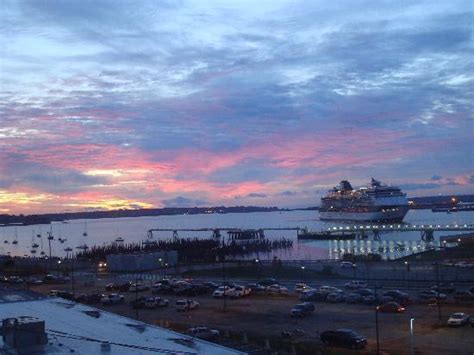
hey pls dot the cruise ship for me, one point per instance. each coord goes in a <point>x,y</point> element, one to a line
<point>376,202</point>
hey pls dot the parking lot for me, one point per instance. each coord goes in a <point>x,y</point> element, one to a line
<point>263,316</point>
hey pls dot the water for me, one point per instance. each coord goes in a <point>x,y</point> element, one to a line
<point>104,231</point>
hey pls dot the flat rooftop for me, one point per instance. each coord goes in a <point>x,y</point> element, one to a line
<point>80,329</point>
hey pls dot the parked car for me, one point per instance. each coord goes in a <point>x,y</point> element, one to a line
<point>354,298</point>
<point>277,289</point>
<point>256,288</point>
<point>464,264</point>
<point>223,291</point>
<point>241,291</point>
<point>329,289</point>
<point>391,307</point>
<point>344,338</point>
<point>211,284</point>
<point>52,279</point>
<point>445,288</point>
<point>347,265</point>
<point>313,295</point>
<point>15,280</point>
<point>33,281</point>
<point>463,296</point>
<point>302,309</point>
<point>204,333</point>
<point>125,286</point>
<point>355,284</point>
<point>138,288</point>
<point>301,287</point>
<point>364,292</point>
<point>336,297</point>
<point>89,298</point>
<point>186,305</point>
<point>113,298</point>
<point>267,282</point>
<point>155,302</point>
<point>160,287</point>
<point>398,296</point>
<point>431,296</point>
<point>369,300</point>
<point>458,319</point>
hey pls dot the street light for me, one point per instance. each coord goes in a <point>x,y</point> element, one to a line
<point>412,351</point>
<point>377,328</point>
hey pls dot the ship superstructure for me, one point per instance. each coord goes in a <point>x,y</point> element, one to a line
<point>376,202</point>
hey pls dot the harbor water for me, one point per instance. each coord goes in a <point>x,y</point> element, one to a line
<point>77,233</point>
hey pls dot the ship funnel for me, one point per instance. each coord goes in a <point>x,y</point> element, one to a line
<point>346,185</point>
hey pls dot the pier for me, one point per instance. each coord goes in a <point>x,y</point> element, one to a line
<point>232,232</point>
<point>426,230</point>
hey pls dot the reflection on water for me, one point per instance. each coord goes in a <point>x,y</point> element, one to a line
<point>80,233</point>
<point>388,249</point>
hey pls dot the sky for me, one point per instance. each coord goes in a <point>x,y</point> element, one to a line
<point>138,104</point>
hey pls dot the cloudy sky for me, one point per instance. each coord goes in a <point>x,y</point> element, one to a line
<point>127,104</point>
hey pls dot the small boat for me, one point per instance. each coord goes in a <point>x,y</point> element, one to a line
<point>33,251</point>
<point>119,240</point>
<point>50,236</point>
<point>15,241</point>
<point>42,253</point>
<point>82,247</point>
<point>6,241</point>
<point>68,249</point>
<point>38,235</point>
<point>35,245</point>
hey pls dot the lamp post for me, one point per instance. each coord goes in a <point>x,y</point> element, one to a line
<point>377,328</point>
<point>224,277</point>
<point>412,351</point>
<point>302,272</point>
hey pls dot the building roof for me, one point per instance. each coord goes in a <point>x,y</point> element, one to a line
<point>73,326</point>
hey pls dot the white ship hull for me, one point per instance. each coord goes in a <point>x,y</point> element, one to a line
<point>374,216</point>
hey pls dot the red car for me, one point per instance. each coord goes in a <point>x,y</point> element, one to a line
<point>391,307</point>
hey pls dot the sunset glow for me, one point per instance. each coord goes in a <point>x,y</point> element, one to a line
<point>224,103</point>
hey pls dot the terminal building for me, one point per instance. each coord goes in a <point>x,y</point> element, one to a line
<point>34,324</point>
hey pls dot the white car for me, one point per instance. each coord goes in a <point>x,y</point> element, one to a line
<point>301,287</point>
<point>155,302</point>
<point>458,319</point>
<point>355,284</point>
<point>240,291</point>
<point>204,333</point>
<point>329,289</point>
<point>186,305</point>
<point>223,291</point>
<point>463,264</point>
<point>113,298</point>
<point>277,289</point>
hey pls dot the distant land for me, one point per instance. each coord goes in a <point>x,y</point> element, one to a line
<point>438,201</point>
<point>168,211</point>
<point>5,219</point>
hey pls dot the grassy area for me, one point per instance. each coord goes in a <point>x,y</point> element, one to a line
<point>260,271</point>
